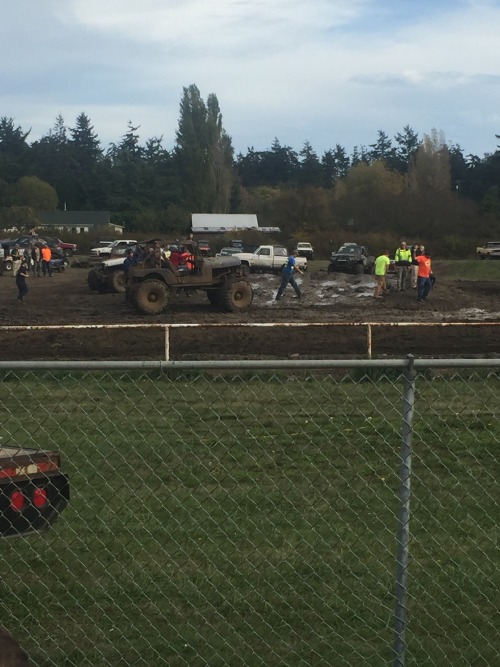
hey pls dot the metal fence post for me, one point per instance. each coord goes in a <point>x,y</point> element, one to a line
<point>403,533</point>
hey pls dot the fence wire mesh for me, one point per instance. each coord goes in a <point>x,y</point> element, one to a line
<point>240,517</point>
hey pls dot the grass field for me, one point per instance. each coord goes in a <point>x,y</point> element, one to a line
<point>454,269</point>
<point>251,520</point>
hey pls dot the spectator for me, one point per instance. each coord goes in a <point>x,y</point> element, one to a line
<point>424,282</point>
<point>36,260</point>
<point>175,255</point>
<point>128,262</point>
<point>21,276</point>
<point>287,276</point>
<point>403,260</point>
<point>380,267</point>
<point>417,249</point>
<point>16,259</point>
<point>46,257</point>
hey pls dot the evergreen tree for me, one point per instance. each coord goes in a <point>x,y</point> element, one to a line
<point>87,167</point>
<point>14,150</point>
<point>382,149</point>
<point>191,151</point>
<point>407,146</point>
<point>310,168</point>
<point>220,160</point>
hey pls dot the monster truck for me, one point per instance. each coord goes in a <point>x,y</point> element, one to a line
<point>33,490</point>
<point>151,284</point>
<point>351,258</point>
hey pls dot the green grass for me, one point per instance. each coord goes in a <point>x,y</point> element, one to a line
<point>467,269</point>
<point>251,521</point>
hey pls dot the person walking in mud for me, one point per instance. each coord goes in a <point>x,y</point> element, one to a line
<point>424,282</point>
<point>288,277</point>
<point>21,276</point>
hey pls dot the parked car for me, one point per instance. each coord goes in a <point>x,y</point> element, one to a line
<point>305,249</point>
<point>69,248</point>
<point>351,258</point>
<point>204,247</point>
<point>227,252</point>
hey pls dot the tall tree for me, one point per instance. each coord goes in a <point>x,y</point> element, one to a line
<point>191,151</point>
<point>407,146</point>
<point>381,149</point>
<point>220,160</point>
<point>14,150</point>
<point>310,168</point>
<point>51,160</point>
<point>86,159</point>
<point>431,168</point>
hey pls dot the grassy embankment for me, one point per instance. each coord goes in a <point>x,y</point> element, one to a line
<point>251,521</point>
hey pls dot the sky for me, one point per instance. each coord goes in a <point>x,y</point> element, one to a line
<point>326,72</point>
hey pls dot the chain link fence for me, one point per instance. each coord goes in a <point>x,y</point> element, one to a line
<point>258,513</point>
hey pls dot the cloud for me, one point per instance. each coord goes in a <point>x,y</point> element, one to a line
<point>439,80</point>
<point>327,71</point>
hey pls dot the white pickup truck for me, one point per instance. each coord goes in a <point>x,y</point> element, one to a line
<point>490,250</point>
<point>268,259</point>
<point>114,248</point>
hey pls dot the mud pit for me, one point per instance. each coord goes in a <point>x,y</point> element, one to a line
<point>341,299</point>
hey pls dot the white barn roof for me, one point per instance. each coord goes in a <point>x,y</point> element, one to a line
<point>222,222</point>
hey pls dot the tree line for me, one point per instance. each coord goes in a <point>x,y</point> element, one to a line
<point>412,186</point>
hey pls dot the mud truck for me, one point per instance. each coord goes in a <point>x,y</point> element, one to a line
<point>151,283</point>
<point>33,490</point>
<point>108,276</point>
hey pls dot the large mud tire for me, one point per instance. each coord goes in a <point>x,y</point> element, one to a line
<point>151,297</point>
<point>331,268</point>
<point>214,296</point>
<point>131,294</point>
<point>359,269</point>
<point>94,280</point>
<point>118,281</point>
<point>236,295</point>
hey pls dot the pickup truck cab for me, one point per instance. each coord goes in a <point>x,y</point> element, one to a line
<point>268,259</point>
<point>115,248</point>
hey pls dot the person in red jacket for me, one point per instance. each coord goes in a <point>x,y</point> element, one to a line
<point>424,275</point>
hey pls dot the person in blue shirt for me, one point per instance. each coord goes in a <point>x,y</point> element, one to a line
<point>287,276</point>
<point>128,261</point>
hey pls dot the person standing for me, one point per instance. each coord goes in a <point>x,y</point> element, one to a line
<point>46,257</point>
<point>128,262</point>
<point>21,276</point>
<point>424,283</point>
<point>403,261</point>
<point>36,260</point>
<point>381,265</point>
<point>288,277</point>
<point>416,250</point>
<point>16,259</point>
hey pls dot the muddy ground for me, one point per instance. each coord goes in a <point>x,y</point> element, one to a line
<point>341,300</point>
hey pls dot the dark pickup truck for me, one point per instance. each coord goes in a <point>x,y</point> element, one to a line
<point>351,258</point>
<point>33,490</point>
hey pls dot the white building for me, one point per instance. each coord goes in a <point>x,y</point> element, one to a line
<point>219,223</point>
